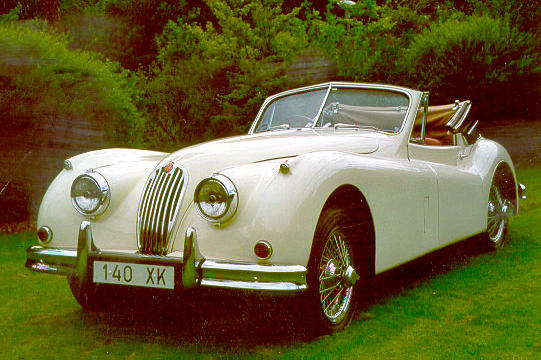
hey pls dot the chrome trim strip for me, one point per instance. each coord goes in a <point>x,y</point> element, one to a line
<point>209,273</point>
<point>245,285</point>
<point>253,276</point>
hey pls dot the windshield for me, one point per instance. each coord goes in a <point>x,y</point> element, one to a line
<point>293,111</point>
<point>382,110</point>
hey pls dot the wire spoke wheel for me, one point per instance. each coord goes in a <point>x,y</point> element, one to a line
<point>335,290</point>
<point>499,210</point>
<point>332,273</point>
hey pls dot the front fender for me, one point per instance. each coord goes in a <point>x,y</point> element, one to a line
<point>125,171</point>
<point>283,209</point>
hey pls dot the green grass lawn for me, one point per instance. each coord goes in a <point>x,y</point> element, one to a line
<point>457,303</point>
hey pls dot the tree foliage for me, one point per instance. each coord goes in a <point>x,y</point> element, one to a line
<point>205,66</point>
<point>41,79</point>
<point>484,58</point>
<point>210,79</point>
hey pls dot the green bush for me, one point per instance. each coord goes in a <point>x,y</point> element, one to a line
<point>205,66</point>
<point>482,58</point>
<point>146,19</point>
<point>10,15</point>
<point>25,9</point>
<point>210,79</point>
<point>41,78</point>
<point>111,37</point>
<point>361,43</point>
<point>524,14</point>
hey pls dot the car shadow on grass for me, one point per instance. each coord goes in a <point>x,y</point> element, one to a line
<point>207,318</point>
<point>423,269</point>
<point>218,319</point>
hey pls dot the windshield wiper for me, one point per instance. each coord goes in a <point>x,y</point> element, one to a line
<point>278,127</point>
<point>354,126</point>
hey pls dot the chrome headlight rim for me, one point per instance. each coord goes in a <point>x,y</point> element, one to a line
<point>231,196</point>
<point>102,186</point>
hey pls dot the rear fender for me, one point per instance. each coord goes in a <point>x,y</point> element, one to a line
<point>488,157</point>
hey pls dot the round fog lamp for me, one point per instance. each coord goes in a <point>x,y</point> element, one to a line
<point>263,250</point>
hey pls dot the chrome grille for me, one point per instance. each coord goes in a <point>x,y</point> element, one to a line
<point>158,209</point>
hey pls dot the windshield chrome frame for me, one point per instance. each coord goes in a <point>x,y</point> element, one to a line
<point>329,86</point>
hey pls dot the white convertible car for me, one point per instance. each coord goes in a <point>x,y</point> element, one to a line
<point>333,184</point>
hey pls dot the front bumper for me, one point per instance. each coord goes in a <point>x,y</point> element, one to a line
<point>190,271</point>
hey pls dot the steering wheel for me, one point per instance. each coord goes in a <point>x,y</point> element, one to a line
<point>293,120</point>
<point>328,113</point>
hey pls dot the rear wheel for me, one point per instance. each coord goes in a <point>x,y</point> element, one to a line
<point>332,273</point>
<point>499,210</point>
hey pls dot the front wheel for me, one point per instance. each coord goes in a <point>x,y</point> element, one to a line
<point>332,273</point>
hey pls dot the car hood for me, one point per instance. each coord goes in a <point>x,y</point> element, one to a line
<point>239,150</point>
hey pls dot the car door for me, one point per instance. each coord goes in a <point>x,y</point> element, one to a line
<point>458,186</point>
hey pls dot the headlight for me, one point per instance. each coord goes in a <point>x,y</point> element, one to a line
<point>90,194</point>
<point>216,198</point>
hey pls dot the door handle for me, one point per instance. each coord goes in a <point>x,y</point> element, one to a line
<point>462,156</point>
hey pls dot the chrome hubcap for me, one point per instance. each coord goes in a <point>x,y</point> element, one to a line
<point>336,277</point>
<point>498,214</point>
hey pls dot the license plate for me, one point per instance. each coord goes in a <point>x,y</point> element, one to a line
<point>118,273</point>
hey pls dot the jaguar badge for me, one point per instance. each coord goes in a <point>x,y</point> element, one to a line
<point>167,168</point>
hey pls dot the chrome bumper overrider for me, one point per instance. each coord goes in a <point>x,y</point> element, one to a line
<point>522,191</point>
<point>193,271</point>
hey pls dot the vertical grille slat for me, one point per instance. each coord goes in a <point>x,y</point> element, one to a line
<point>143,207</point>
<point>147,207</point>
<point>167,209</point>
<point>148,219</point>
<point>155,213</point>
<point>158,209</point>
<point>168,196</point>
